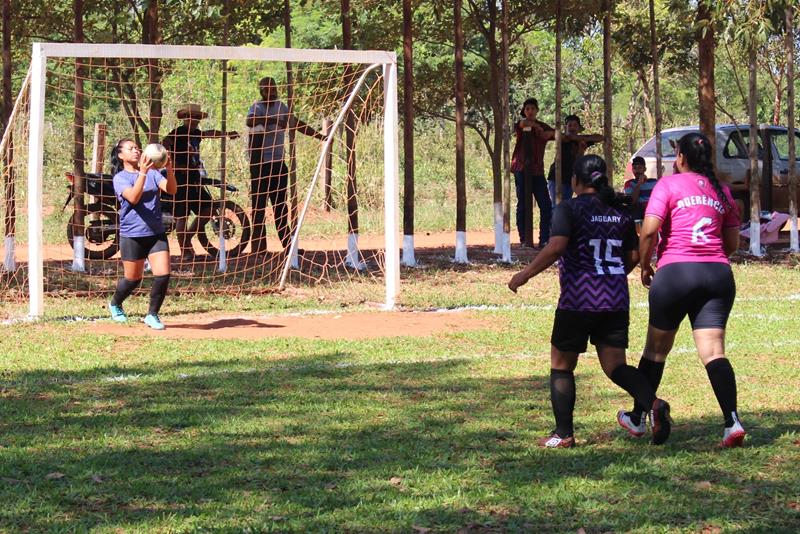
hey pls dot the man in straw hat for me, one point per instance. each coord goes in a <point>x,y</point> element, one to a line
<point>183,144</point>
<point>268,119</point>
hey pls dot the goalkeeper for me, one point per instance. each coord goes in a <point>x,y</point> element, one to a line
<point>267,120</point>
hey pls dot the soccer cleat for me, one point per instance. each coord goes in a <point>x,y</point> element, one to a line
<point>117,313</point>
<point>154,322</point>
<point>660,421</point>
<point>734,435</point>
<point>625,421</point>
<point>554,441</point>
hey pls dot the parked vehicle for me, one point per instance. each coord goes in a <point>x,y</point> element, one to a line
<point>102,220</point>
<point>733,161</point>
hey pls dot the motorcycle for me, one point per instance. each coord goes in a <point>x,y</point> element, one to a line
<point>101,228</point>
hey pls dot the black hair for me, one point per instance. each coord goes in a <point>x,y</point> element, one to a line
<point>573,118</point>
<point>116,163</point>
<point>697,150</point>
<point>590,171</point>
<point>528,102</point>
<point>638,160</point>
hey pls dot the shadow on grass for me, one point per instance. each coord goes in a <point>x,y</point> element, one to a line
<point>314,444</point>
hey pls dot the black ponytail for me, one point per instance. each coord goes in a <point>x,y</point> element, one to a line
<point>590,171</point>
<point>697,150</point>
<point>116,163</point>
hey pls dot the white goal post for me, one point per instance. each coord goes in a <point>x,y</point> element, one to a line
<point>387,61</point>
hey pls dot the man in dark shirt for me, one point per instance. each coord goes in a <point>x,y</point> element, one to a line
<point>573,145</point>
<point>183,144</point>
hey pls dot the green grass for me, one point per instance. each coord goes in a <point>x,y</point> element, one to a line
<point>109,434</point>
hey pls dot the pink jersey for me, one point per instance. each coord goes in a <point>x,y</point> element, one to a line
<point>693,217</point>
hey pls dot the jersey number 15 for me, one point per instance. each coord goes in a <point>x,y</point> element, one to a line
<point>613,264</point>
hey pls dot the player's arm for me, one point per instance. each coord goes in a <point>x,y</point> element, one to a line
<point>730,240</point>
<point>304,128</point>
<point>133,194</point>
<point>647,242</point>
<point>554,249</point>
<point>169,185</point>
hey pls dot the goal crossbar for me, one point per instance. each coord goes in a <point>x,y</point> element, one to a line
<point>251,53</point>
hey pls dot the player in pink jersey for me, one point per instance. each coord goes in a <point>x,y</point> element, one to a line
<point>697,222</point>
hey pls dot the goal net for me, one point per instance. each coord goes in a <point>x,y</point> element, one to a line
<point>285,159</point>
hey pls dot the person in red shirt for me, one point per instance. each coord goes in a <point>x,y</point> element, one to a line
<point>527,164</point>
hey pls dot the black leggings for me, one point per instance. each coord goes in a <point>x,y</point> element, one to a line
<point>703,291</point>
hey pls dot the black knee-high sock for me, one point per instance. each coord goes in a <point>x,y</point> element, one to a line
<point>652,371</point>
<point>157,293</point>
<point>562,397</point>
<point>723,380</point>
<point>124,289</point>
<point>635,383</point>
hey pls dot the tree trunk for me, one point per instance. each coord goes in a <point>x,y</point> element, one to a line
<point>350,124</point>
<point>706,97</point>
<point>461,189</point>
<point>151,34</point>
<point>755,177</point>
<point>287,33</point>
<point>794,246</point>
<point>506,139</point>
<point>656,91</point>
<point>558,184</point>
<point>8,101</point>
<point>496,148</point>
<point>496,105</point>
<point>647,101</point>
<point>777,103</point>
<point>78,139</point>
<point>9,192</point>
<point>630,118</point>
<point>408,120</point>
<point>608,140</point>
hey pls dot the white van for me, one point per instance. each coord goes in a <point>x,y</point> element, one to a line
<point>733,163</point>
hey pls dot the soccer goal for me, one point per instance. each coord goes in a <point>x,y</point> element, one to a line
<point>286,162</point>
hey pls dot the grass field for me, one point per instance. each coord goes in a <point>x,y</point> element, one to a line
<point>409,434</point>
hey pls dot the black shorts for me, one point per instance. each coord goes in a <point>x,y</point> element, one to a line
<point>138,248</point>
<point>703,291</point>
<point>573,329</point>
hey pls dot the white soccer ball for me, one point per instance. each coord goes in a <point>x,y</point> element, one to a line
<point>157,154</point>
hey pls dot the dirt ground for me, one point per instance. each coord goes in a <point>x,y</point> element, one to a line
<point>331,326</point>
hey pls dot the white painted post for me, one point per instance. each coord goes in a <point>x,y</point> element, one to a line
<point>35,164</point>
<point>391,188</point>
<point>461,248</point>
<point>409,260</point>
<point>498,228</point>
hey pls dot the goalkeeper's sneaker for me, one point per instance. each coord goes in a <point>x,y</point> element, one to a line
<point>734,435</point>
<point>117,313</point>
<point>625,421</point>
<point>660,421</point>
<point>554,441</point>
<point>154,322</point>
